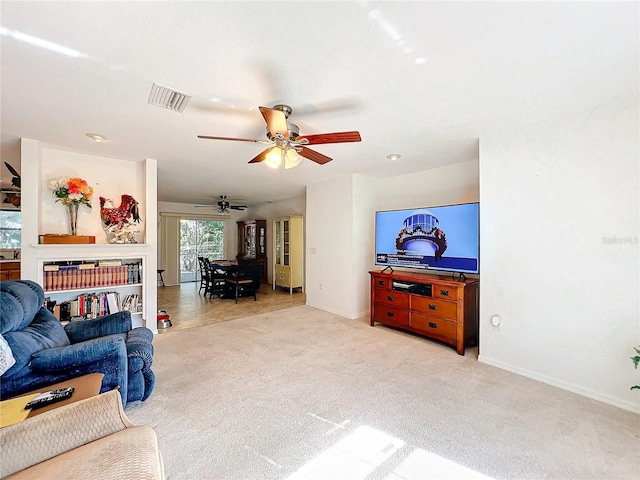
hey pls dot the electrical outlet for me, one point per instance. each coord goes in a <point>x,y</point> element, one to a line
<point>496,322</point>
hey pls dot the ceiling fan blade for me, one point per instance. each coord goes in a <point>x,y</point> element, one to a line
<point>276,121</point>
<point>208,137</point>
<point>260,157</point>
<point>237,207</point>
<point>313,155</point>
<point>338,137</point>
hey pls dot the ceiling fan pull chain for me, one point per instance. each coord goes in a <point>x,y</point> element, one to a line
<point>282,159</point>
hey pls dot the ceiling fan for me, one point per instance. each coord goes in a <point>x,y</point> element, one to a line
<point>224,207</point>
<point>286,145</point>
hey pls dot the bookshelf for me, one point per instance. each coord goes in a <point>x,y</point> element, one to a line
<point>81,288</point>
<point>109,177</point>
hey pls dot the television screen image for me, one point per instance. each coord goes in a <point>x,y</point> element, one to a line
<point>440,238</point>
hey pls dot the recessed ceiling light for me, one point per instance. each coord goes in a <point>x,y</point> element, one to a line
<point>394,156</point>
<point>96,137</point>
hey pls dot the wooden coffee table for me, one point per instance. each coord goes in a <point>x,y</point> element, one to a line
<point>85,387</point>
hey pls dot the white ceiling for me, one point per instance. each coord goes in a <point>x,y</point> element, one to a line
<point>423,79</point>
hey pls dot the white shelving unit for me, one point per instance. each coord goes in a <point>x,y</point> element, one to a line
<point>97,285</point>
<point>110,178</point>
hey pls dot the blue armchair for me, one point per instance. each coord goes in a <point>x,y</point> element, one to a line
<point>45,352</point>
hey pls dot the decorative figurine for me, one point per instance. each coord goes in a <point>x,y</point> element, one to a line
<point>118,221</point>
<point>12,194</point>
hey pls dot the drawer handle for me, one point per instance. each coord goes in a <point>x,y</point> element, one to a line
<point>433,325</point>
<point>381,282</point>
<point>432,306</point>
<point>390,298</point>
<point>444,293</point>
<point>389,314</point>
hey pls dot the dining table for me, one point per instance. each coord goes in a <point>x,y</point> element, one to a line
<point>225,269</point>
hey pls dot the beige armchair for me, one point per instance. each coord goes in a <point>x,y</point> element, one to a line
<point>91,438</point>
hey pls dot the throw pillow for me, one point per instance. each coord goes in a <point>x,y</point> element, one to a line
<point>6,356</point>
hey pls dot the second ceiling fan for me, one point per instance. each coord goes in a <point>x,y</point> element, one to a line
<point>286,145</point>
<point>224,207</point>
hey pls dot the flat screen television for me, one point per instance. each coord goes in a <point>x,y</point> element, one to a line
<point>445,238</point>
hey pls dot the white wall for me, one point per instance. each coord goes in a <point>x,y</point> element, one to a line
<point>559,252</point>
<point>365,201</point>
<point>439,186</point>
<point>109,177</point>
<point>341,227</point>
<point>330,247</point>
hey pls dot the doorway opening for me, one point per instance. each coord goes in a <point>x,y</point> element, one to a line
<point>199,238</point>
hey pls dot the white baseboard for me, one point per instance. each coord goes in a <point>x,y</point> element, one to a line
<point>585,392</point>
<point>338,312</point>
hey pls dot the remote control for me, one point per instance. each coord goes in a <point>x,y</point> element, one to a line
<point>47,398</point>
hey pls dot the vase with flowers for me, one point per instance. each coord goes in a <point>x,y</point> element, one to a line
<point>72,192</point>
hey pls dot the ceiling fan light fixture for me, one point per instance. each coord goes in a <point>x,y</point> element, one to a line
<point>273,158</point>
<point>286,136</point>
<point>291,158</point>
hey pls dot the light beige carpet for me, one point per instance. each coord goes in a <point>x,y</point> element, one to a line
<point>304,394</point>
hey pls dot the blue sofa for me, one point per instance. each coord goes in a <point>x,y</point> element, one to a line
<point>45,352</point>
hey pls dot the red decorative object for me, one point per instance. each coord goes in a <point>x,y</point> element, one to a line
<point>120,216</point>
<point>118,220</point>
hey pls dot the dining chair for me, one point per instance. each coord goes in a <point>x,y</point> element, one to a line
<point>204,274</point>
<point>246,280</point>
<point>218,280</point>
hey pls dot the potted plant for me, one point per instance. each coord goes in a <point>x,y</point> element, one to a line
<point>636,361</point>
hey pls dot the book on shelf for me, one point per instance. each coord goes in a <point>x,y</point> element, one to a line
<point>74,278</point>
<point>131,303</point>
<point>65,311</point>
<point>109,263</point>
<point>92,305</point>
<point>133,273</point>
<point>87,266</point>
<point>74,308</point>
<point>113,301</point>
<point>51,268</point>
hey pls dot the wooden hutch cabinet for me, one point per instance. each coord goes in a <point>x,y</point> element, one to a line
<point>288,253</point>
<point>252,243</point>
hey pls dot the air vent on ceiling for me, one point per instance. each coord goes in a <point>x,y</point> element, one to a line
<point>168,98</point>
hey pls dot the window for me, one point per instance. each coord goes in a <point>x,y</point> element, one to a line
<point>199,238</point>
<point>10,229</point>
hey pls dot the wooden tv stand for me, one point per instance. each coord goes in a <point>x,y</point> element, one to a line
<point>435,306</point>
